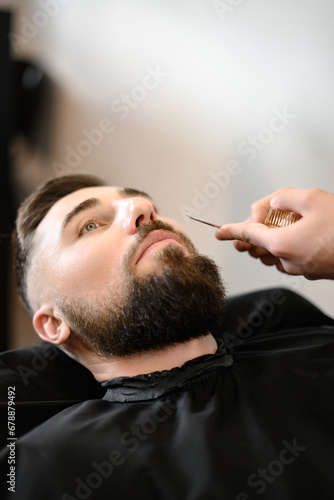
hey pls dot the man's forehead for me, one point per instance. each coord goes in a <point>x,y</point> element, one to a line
<point>72,199</point>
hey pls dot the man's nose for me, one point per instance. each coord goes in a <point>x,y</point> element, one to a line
<point>132,212</point>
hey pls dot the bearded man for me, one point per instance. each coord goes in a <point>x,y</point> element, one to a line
<point>121,289</point>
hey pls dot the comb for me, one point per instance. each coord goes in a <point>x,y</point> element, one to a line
<point>203,221</point>
<point>280,218</point>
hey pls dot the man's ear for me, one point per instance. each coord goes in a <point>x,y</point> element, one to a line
<point>50,326</point>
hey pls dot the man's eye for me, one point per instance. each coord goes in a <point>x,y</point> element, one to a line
<point>88,227</point>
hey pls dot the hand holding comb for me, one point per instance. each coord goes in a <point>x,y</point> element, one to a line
<point>274,218</point>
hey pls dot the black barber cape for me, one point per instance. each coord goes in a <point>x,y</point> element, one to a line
<point>253,421</point>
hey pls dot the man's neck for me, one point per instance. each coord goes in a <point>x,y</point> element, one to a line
<point>165,359</point>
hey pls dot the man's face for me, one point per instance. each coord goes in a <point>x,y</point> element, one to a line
<point>88,235</point>
<point>108,257</point>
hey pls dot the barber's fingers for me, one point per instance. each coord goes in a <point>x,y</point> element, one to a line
<point>242,246</point>
<point>297,200</point>
<point>259,253</point>
<point>300,201</point>
<point>260,208</point>
<point>256,234</point>
<point>279,266</point>
<point>270,260</point>
<point>294,200</point>
<point>256,252</point>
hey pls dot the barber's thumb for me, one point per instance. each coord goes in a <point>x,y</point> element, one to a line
<point>220,233</point>
<point>229,232</point>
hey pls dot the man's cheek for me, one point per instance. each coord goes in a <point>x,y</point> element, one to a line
<point>175,226</point>
<point>81,272</point>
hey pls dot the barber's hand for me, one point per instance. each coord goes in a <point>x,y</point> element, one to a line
<point>303,248</point>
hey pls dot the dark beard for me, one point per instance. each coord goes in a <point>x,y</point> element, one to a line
<point>184,300</point>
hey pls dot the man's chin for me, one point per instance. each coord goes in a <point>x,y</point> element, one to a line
<point>180,298</point>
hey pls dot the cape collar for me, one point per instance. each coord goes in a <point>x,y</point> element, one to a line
<point>153,385</point>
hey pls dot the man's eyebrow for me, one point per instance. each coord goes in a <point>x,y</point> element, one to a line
<point>93,202</point>
<point>84,205</point>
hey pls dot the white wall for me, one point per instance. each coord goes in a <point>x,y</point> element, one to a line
<point>230,67</point>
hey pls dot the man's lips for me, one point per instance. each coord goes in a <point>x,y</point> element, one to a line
<point>155,240</point>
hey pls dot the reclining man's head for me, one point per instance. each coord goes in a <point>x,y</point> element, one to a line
<point>101,270</point>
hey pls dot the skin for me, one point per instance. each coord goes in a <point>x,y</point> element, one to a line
<point>87,262</point>
<point>304,248</point>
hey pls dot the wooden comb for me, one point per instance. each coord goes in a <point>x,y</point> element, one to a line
<point>280,218</point>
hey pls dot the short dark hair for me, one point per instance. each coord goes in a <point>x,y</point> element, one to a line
<point>30,214</point>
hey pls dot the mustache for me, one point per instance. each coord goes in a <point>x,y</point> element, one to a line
<point>146,228</point>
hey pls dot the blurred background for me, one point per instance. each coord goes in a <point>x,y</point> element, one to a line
<point>207,105</point>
